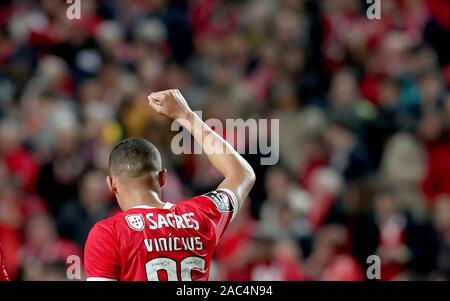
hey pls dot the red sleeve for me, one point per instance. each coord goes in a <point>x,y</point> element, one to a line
<point>101,255</point>
<point>3,273</point>
<point>219,207</point>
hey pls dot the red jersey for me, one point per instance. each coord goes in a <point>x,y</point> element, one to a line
<point>3,274</point>
<point>172,243</point>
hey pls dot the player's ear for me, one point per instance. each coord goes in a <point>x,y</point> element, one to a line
<point>111,184</point>
<point>162,175</point>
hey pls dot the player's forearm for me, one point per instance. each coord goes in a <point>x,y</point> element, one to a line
<point>222,155</point>
<point>239,175</point>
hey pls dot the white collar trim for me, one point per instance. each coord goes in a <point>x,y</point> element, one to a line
<point>167,205</point>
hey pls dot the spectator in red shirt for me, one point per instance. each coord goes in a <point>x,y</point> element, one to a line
<point>330,259</point>
<point>43,247</point>
<point>19,162</point>
<point>437,146</point>
<point>267,258</point>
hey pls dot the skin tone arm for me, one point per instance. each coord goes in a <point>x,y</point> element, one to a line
<point>239,175</point>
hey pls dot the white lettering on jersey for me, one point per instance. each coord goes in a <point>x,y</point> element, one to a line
<point>183,221</point>
<point>173,243</point>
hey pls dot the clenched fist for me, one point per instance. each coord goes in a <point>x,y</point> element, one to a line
<point>170,103</point>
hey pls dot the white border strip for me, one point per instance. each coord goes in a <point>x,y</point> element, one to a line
<point>100,279</point>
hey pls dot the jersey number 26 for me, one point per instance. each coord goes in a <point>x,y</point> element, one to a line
<point>170,266</point>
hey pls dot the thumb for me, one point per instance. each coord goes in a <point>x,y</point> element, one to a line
<point>154,103</point>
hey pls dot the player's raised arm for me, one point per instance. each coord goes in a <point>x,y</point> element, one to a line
<point>239,175</point>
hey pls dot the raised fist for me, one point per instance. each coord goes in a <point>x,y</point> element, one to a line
<point>169,103</point>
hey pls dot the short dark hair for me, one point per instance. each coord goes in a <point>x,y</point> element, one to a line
<point>135,157</point>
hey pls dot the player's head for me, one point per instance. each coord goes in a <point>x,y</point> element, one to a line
<point>135,164</point>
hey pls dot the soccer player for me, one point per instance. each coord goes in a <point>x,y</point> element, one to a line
<point>3,273</point>
<point>156,241</point>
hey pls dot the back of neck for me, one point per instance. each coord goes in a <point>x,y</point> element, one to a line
<point>147,198</point>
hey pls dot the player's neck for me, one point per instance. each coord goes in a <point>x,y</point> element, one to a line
<point>143,198</point>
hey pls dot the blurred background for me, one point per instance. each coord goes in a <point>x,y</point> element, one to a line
<point>364,110</point>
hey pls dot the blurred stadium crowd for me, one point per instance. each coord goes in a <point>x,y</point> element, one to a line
<point>364,110</point>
